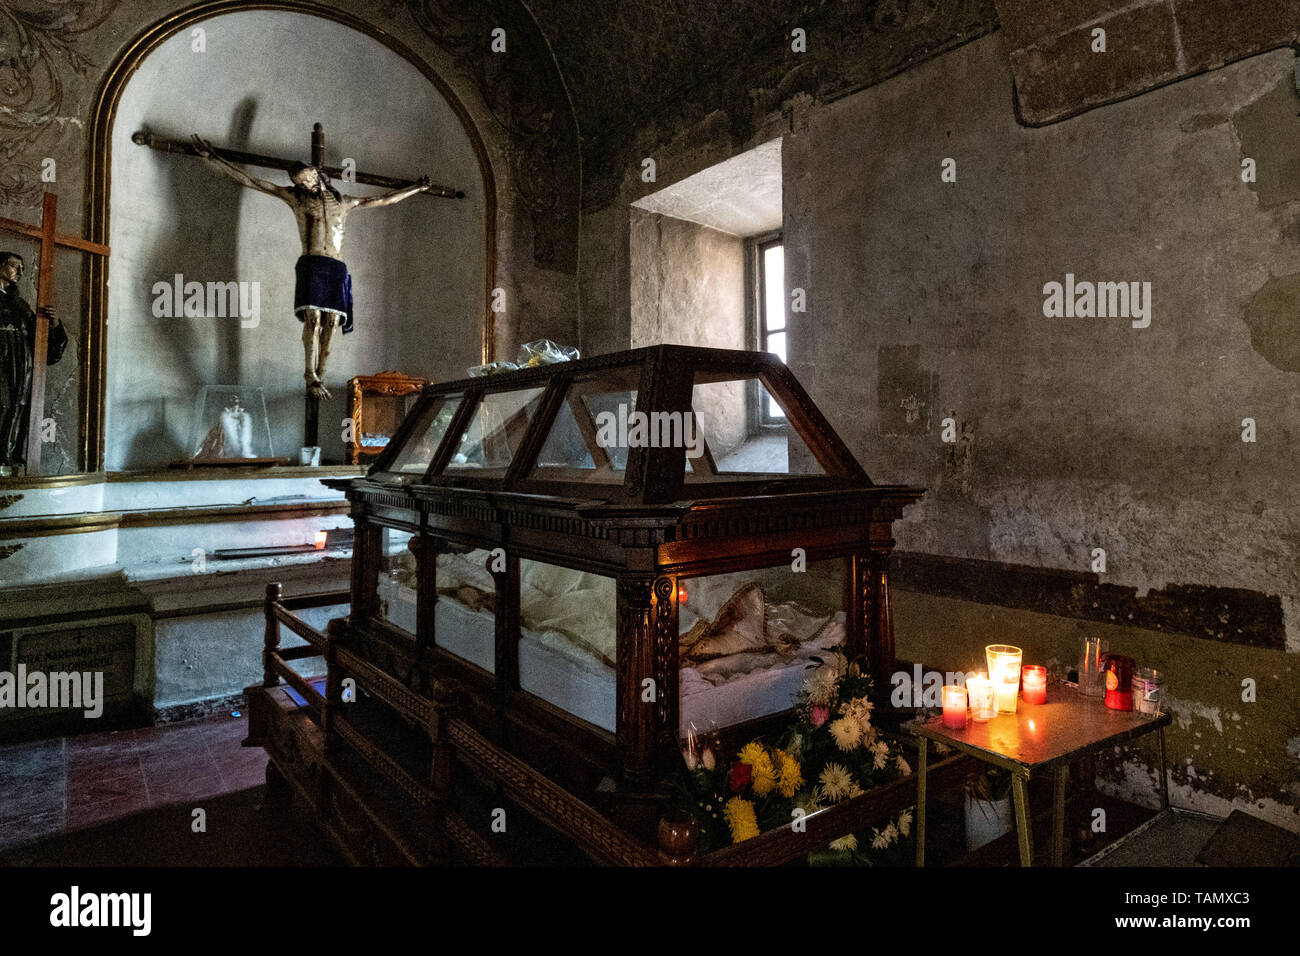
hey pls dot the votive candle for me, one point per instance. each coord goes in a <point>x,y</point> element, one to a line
<point>1004,671</point>
<point>954,706</point>
<point>1033,678</point>
<point>982,706</point>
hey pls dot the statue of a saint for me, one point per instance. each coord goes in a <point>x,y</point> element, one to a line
<point>17,339</point>
<point>322,297</point>
<point>231,436</point>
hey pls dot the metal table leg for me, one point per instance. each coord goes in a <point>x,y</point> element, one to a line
<point>1164,773</point>
<point>1020,795</point>
<point>920,802</point>
<point>1060,849</point>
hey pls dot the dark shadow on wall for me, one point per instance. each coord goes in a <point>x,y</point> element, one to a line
<point>152,442</point>
<point>201,245</point>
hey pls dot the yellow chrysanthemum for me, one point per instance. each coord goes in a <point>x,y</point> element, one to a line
<point>765,777</point>
<point>790,777</point>
<point>764,771</point>
<point>740,817</point>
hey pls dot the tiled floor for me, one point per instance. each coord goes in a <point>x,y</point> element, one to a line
<point>70,783</point>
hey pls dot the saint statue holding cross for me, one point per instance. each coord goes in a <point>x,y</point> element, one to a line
<point>18,324</point>
<point>322,297</point>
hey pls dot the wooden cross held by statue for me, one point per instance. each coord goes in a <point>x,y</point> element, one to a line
<point>145,138</point>
<point>49,240</point>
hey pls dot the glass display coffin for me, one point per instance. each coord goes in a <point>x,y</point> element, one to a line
<point>614,552</point>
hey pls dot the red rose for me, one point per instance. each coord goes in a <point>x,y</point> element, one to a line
<point>742,775</point>
<point>819,714</point>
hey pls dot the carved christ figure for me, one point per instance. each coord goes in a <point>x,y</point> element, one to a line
<point>322,297</point>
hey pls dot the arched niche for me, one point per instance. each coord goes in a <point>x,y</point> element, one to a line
<point>265,74</point>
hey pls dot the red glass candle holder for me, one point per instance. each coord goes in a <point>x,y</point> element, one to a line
<point>1033,684</point>
<point>954,706</point>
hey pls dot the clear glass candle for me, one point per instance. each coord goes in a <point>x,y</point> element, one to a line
<point>1004,672</point>
<point>982,704</point>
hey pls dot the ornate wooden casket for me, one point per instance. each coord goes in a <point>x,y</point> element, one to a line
<point>609,554</point>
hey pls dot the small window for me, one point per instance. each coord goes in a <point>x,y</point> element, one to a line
<point>771,317</point>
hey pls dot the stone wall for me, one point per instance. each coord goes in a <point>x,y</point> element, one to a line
<point>926,303</point>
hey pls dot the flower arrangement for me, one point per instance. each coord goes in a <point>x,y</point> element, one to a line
<point>830,753</point>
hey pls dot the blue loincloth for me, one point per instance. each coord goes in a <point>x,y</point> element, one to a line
<point>324,284</point>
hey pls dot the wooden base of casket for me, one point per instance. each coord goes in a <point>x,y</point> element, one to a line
<point>387,793</point>
<point>368,822</point>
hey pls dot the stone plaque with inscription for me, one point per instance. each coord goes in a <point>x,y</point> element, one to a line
<point>107,647</point>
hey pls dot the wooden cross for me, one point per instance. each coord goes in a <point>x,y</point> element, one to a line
<point>49,240</point>
<point>145,138</point>
<point>163,145</point>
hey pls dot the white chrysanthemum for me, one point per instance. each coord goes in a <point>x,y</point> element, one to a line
<point>810,800</point>
<point>904,767</point>
<point>879,840</point>
<point>820,685</point>
<point>836,782</point>
<point>905,822</point>
<point>849,842</point>
<point>859,708</point>
<point>890,834</point>
<point>881,751</point>
<point>846,732</point>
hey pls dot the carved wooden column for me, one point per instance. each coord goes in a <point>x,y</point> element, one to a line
<point>441,766</point>
<point>857,604</point>
<point>365,566</point>
<point>881,619</point>
<point>666,673</point>
<point>507,625</point>
<point>634,728</point>
<point>426,592</point>
<point>333,687</point>
<point>646,729</point>
<point>272,642</point>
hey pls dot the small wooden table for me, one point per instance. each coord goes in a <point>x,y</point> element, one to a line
<point>1038,738</point>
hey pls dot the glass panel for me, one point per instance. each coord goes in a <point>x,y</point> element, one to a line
<point>774,288</point>
<point>396,587</point>
<point>567,637</point>
<point>588,440</point>
<point>496,430</point>
<point>750,640</point>
<point>381,417</point>
<point>423,442</point>
<point>733,448</point>
<point>464,619</point>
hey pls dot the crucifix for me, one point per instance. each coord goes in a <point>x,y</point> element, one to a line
<point>45,232</point>
<point>323,290</point>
